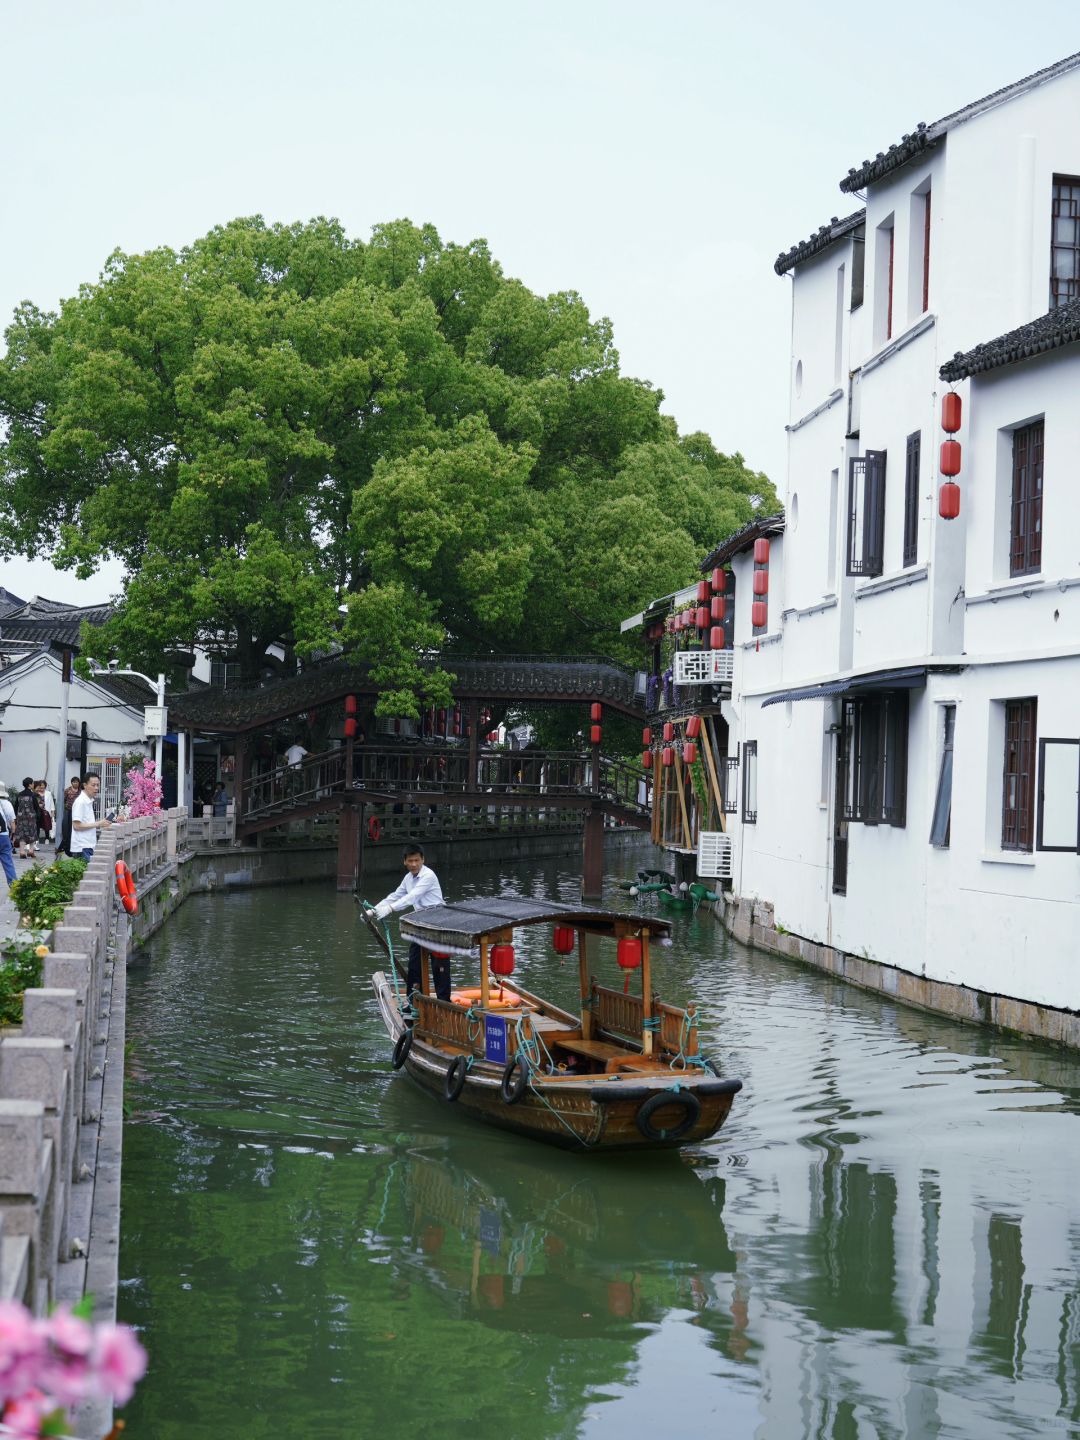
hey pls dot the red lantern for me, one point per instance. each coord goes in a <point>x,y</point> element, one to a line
<point>702,618</point>
<point>761,552</point>
<point>718,608</point>
<point>948,504</point>
<point>565,939</point>
<point>951,412</point>
<point>502,959</point>
<point>669,731</point>
<point>646,736</point>
<point>716,637</point>
<point>702,591</point>
<point>350,704</point>
<point>761,582</point>
<point>646,759</point>
<point>689,752</point>
<point>759,614</point>
<point>693,727</point>
<point>596,713</point>
<point>950,457</point>
<point>594,734</point>
<point>667,756</point>
<point>719,578</point>
<point>350,727</point>
<point>629,953</point>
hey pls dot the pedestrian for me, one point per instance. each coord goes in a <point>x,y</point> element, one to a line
<point>72,789</point>
<point>48,809</point>
<point>84,823</point>
<point>27,819</point>
<point>7,822</point>
<point>419,890</point>
<point>220,801</point>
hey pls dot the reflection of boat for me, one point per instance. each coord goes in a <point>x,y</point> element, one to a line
<point>625,1073</point>
<point>567,1246</point>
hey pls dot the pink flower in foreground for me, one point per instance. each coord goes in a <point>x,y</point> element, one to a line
<point>120,1361</point>
<point>23,1417</point>
<point>68,1333</point>
<point>22,1349</point>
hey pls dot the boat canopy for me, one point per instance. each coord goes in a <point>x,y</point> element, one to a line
<point>458,929</point>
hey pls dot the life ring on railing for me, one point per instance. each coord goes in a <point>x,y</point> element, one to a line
<point>374,829</point>
<point>125,886</point>
<point>495,1002</point>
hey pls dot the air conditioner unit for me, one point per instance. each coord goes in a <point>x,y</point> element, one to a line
<point>716,855</point>
<point>704,667</point>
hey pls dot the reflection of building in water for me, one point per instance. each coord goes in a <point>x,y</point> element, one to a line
<point>936,1297</point>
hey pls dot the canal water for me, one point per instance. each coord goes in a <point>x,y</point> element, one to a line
<point>883,1241</point>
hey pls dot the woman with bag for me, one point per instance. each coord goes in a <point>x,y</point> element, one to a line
<point>27,817</point>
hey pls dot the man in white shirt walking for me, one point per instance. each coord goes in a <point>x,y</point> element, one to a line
<point>419,890</point>
<point>84,823</point>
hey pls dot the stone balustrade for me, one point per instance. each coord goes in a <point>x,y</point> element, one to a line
<point>61,1080</point>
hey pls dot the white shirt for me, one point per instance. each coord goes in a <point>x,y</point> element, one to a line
<point>8,812</point>
<point>422,891</point>
<point>83,809</point>
<point>294,754</point>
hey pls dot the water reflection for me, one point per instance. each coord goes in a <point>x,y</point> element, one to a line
<point>883,1241</point>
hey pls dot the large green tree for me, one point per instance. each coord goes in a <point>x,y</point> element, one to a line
<point>286,434</point>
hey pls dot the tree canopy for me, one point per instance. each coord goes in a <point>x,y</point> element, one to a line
<point>289,435</point>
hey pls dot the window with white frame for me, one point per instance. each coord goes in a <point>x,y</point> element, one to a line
<point>1059,795</point>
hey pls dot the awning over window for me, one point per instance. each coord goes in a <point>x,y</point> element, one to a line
<point>911,677</point>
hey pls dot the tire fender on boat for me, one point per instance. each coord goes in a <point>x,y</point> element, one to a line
<point>691,1107</point>
<point>456,1072</point>
<point>515,1077</point>
<point>402,1046</point>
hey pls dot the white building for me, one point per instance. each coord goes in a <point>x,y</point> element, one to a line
<point>907,721</point>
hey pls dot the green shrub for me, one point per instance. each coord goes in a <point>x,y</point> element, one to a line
<point>20,969</point>
<point>41,893</point>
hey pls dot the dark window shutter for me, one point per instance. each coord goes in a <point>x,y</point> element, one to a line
<point>911,498</point>
<point>874,514</point>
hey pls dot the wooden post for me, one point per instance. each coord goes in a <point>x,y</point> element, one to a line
<point>473,725</point>
<point>646,995</point>
<point>348,847</point>
<point>584,985</point>
<point>710,765</point>
<point>239,779</point>
<point>484,991</point>
<point>682,801</point>
<point>592,869</point>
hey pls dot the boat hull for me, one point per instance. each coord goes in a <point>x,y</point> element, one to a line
<point>651,1111</point>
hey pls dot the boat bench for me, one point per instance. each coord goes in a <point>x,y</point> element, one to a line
<point>612,1056</point>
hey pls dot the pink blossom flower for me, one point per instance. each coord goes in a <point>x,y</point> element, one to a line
<point>68,1333</point>
<point>120,1361</point>
<point>24,1416</point>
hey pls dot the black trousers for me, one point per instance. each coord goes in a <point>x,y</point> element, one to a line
<point>440,973</point>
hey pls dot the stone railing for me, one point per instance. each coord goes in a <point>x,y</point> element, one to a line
<point>61,1083</point>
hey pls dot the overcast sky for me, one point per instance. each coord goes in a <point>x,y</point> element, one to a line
<point>654,157</point>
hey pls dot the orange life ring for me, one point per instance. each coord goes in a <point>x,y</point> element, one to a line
<point>130,903</point>
<point>472,997</point>
<point>374,829</point>
<point>125,885</point>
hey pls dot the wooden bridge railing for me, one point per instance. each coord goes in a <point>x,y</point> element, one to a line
<point>442,772</point>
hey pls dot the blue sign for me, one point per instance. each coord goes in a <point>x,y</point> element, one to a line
<point>490,1231</point>
<point>495,1038</point>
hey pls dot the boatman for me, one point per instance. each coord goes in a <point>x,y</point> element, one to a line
<point>419,890</point>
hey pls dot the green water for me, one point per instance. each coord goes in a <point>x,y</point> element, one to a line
<point>882,1241</point>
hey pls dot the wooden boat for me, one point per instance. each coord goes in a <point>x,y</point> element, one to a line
<point>624,1073</point>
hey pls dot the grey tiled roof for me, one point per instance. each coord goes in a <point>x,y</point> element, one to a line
<point>1049,332</point>
<point>49,623</point>
<point>764,527</point>
<point>909,147</point>
<point>821,240</point>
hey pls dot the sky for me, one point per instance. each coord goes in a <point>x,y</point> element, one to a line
<point>656,158</point>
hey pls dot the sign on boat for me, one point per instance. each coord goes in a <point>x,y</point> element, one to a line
<point>623,1073</point>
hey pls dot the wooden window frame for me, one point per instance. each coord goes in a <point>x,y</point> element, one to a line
<point>866,502</point>
<point>1066,208</point>
<point>912,467</point>
<point>1018,775</point>
<point>1026,505</point>
<point>876,744</point>
<point>749,769</point>
<point>926,255</point>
